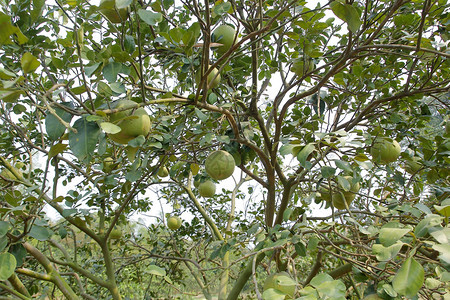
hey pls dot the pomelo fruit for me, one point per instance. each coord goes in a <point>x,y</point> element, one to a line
<point>225,35</point>
<point>281,282</point>
<point>132,122</point>
<point>163,172</point>
<point>207,189</point>
<point>220,165</point>
<point>339,197</point>
<point>213,81</point>
<point>173,222</point>
<point>385,150</point>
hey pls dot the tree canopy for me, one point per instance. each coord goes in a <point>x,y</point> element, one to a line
<point>335,114</point>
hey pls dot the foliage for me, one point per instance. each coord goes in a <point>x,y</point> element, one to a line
<point>298,98</point>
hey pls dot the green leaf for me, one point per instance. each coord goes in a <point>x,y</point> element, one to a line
<point>444,251</point>
<point>4,227</point>
<point>300,249</point>
<point>389,236</point>
<point>347,13</point>
<point>201,115</point>
<point>123,3</point>
<point>320,278</point>
<point>344,183</point>
<point>409,278</point>
<point>443,210</point>
<point>8,265</point>
<point>29,63</point>
<point>53,126</point>
<point>327,172</point>
<point>40,233</point>
<point>84,142</point>
<point>10,95</point>
<point>302,156</point>
<point>332,290</point>
<point>110,127</point>
<point>287,149</point>
<point>111,70</point>
<point>155,270</point>
<point>56,149</point>
<point>273,294</point>
<point>343,165</point>
<point>89,70</point>
<point>150,17</point>
<point>442,235</point>
<point>7,29</point>
<point>386,253</point>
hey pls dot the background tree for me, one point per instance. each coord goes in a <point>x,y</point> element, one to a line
<point>109,108</point>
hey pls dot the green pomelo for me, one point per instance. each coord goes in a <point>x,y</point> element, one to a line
<point>281,282</point>
<point>339,197</point>
<point>220,165</point>
<point>225,35</point>
<point>173,222</point>
<point>115,234</point>
<point>163,172</point>
<point>385,150</point>
<point>109,10</point>
<point>108,165</point>
<point>132,123</point>
<point>213,81</point>
<point>207,189</point>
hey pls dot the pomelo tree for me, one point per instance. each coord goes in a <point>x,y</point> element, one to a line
<point>305,91</point>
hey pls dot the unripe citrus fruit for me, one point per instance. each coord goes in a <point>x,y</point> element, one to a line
<point>213,81</point>
<point>281,282</point>
<point>173,222</point>
<point>385,150</point>
<point>339,197</point>
<point>163,172</point>
<point>220,165</point>
<point>207,189</point>
<point>224,34</point>
<point>108,164</point>
<point>115,234</point>
<point>132,122</point>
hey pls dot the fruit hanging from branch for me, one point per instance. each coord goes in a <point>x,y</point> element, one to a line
<point>385,150</point>
<point>225,35</point>
<point>207,189</point>
<point>132,122</point>
<point>220,165</point>
<point>213,80</point>
<point>173,222</point>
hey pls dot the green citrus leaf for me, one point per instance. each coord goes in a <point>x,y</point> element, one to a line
<point>389,236</point>
<point>40,233</point>
<point>7,29</point>
<point>150,17</point>
<point>386,253</point>
<point>155,270</point>
<point>4,227</point>
<point>110,127</point>
<point>409,278</point>
<point>29,63</point>
<point>84,142</point>
<point>8,265</point>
